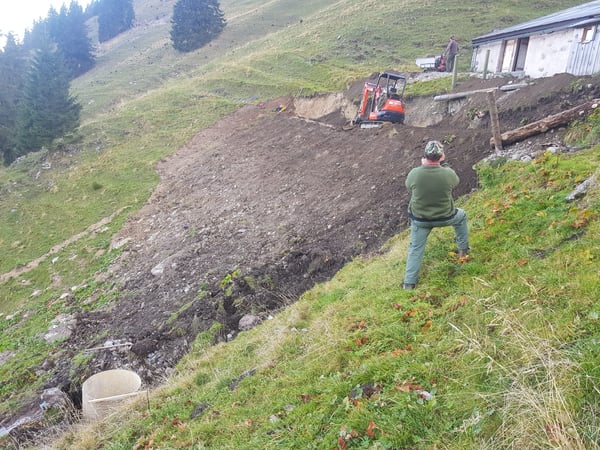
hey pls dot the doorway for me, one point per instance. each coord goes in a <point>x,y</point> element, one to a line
<point>521,54</point>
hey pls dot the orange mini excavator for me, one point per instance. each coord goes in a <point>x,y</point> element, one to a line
<point>382,101</point>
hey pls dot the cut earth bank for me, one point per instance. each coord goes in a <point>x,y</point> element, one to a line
<point>271,200</point>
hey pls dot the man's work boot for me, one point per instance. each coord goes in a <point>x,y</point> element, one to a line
<point>463,255</point>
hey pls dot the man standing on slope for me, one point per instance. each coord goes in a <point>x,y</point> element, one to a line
<point>431,205</point>
<point>451,52</point>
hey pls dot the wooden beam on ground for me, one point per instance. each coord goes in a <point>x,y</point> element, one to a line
<point>548,123</point>
<point>457,95</point>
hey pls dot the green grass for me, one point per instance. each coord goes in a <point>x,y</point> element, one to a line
<point>143,101</point>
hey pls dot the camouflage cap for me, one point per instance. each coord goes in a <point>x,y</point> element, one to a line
<point>434,150</point>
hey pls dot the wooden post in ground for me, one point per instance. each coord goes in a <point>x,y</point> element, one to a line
<point>454,71</point>
<point>485,64</point>
<point>495,121</point>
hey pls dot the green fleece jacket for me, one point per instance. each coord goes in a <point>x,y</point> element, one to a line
<point>431,191</point>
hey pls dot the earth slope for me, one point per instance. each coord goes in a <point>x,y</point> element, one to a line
<point>258,208</point>
<point>271,200</point>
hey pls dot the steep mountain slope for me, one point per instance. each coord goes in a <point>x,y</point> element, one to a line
<point>258,208</point>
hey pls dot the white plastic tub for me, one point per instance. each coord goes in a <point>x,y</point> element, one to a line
<point>106,390</point>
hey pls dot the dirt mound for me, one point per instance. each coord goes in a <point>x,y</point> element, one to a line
<point>253,212</point>
<point>271,200</point>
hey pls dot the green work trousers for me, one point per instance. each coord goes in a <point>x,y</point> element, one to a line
<point>419,231</point>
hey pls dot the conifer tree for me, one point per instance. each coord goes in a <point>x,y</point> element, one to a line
<point>47,110</point>
<point>92,9</point>
<point>13,65</point>
<point>195,23</point>
<point>114,17</point>
<point>75,43</point>
<point>69,32</point>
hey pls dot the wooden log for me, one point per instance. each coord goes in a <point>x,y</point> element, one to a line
<point>506,87</point>
<point>444,97</point>
<point>548,123</point>
<point>454,71</point>
<point>513,87</point>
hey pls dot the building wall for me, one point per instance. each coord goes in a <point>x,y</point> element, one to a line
<point>501,59</point>
<point>547,55</point>
<point>584,57</point>
<point>479,54</point>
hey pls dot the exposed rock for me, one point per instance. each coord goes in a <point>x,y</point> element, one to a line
<point>54,398</point>
<point>61,328</point>
<point>248,322</point>
<point>199,410</point>
<point>582,189</point>
<point>5,355</point>
<point>40,419</point>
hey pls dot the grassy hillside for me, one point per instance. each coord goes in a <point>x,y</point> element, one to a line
<point>143,101</point>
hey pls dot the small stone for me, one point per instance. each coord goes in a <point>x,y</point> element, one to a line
<point>248,322</point>
<point>198,410</point>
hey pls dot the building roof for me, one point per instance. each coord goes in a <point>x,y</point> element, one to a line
<point>578,16</point>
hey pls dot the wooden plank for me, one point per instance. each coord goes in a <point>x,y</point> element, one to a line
<point>457,95</point>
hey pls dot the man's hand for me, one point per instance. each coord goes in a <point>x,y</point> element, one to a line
<point>425,161</point>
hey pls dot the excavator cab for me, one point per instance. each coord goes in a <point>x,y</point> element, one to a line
<point>382,101</point>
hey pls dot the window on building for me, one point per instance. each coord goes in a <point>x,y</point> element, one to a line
<point>588,33</point>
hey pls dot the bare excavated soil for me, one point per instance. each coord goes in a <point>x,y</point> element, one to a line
<point>271,200</point>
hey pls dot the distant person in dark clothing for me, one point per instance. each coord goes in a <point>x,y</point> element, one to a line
<point>432,205</point>
<point>450,53</point>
